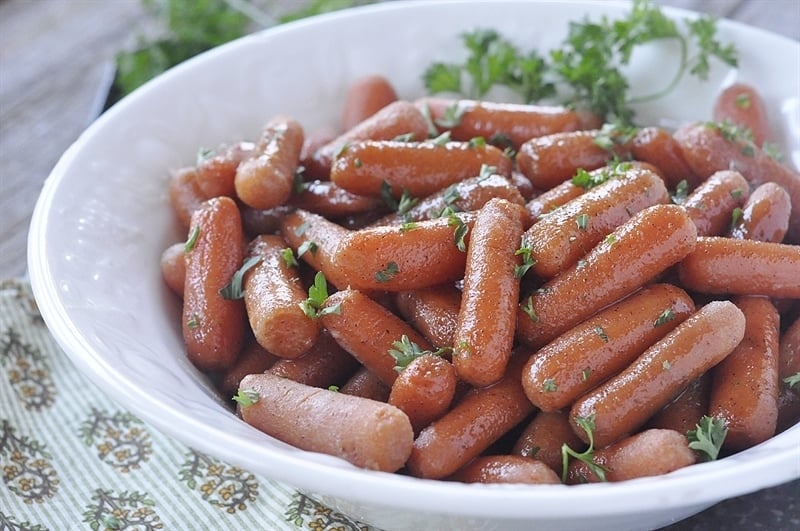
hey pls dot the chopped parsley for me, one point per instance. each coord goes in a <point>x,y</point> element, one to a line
<point>317,294</point>
<point>233,289</point>
<point>527,260</point>
<point>387,274</point>
<point>587,424</point>
<point>664,317</point>
<point>405,351</point>
<point>708,437</point>
<point>192,241</point>
<point>601,333</point>
<point>549,385</point>
<point>793,381</point>
<point>246,397</point>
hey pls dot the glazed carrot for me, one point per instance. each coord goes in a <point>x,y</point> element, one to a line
<point>744,386</point>
<point>551,159</point>
<point>433,311</point>
<point>273,292</point>
<point>424,389</point>
<point>253,359</point>
<point>506,469</point>
<point>509,123</point>
<point>523,185</point>
<point>173,267</point>
<point>419,168</point>
<point>464,196</point>
<point>626,401</point>
<point>476,421</point>
<point>365,384</point>
<point>368,331</point>
<point>641,248</point>
<point>315,240</point>
<point>790,351</point>
<point>332,201</point>
<point>548,201</point>
<point>213,326</point>
<point>650,453</point>
<point>788,409</point>
<point>562,237</point>
<point>764,216</point>
<point>484,333</point>
<point>684,413</point>
<point>314,140</point>
<point>602,346</point>
<point>712,147</point>
<point>392,258</point>
<point>366,433</point>
<point>394,120</point>
<point>185,195</point>
<point>364,97</point>
<point>741,104</point>
<point>265,180</point>
<point>658,147</point>
<point>255,221</point>
<point>325,364</point>
<point>216,170</point>
<point>742,267</point>
<point>711,204</point>
<point>544,436</point>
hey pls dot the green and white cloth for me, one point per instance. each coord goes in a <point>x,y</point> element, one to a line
<point>71,458</point>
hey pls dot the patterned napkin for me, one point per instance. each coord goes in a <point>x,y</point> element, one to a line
<point>71,458</point>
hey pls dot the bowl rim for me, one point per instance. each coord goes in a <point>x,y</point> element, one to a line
<point>774,466</point>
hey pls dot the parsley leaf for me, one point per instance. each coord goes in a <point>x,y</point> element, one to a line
<point>317,294</point>
<point>233,289</point>
<point>246,397</point>
<point>587,456</point>
<point>405,351</point>
<point>708,437</point>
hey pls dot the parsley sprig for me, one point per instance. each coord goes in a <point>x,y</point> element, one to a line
<point>405,351</point>
<point>708,436</point>
<point>317,294</point>
<point>587,70</point>
<point>587,456</point>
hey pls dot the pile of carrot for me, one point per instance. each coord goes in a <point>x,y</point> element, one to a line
<point>450,289</point>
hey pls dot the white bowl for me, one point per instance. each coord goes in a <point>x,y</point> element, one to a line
<point>103,219</point>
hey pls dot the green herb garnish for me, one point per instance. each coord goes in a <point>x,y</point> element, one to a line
<point>246,397</point>
<point>317,294</point>
<point>587,456</point>
<point>233,289</point>
<point>708,437</point>
<point>192,241</point>
<point>387,274</point>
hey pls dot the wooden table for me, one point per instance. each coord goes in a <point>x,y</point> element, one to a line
<point>54,60</point>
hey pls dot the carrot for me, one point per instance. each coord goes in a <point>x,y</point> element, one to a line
<point>790,351</point>
<point>368,331</point>
<point>506,469</point>
<point>602,346</point>
<point>419,168</point>
<point>332,201</point>
<point>712,147</point>
<point>365,384</point>
<point>315,239</point>
<point>364,97</point>
<point>433,311</point>
<point>185,195</point>
<point>265,180</point>
<point>562,237</point>
<point>551,159</point>
<point>686,410</point>
<point>253,359</point>
<point>366,433</point>
<point>626,401</point>
<point>476,421</point>
<point>173,267</point>
<point>484,333</point>
<point>325,364</point>
<point>392,258</point>
<point>650,453</point>
<point>213,326</point>
<point>396,119</point>
<point>741,267</point>
<point>273,292</point>
<point>544,436</point>
<point>765,215</point>
<point>546,202</point>
<point>659,148</point>
<point>216,170</point>
<point>464,196</point>
<point>637,251</point>
<point>255,221</point>
<point>424,389</point>
<point>744,387</point>
<point>712,203</point>
<point>741,104</point>
<point>509,123</point>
